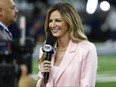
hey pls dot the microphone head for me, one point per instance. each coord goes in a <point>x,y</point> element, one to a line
<point>48,47</point>
<point>51,40</point>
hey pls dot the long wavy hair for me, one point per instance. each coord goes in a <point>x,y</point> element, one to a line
<point>70,15</point>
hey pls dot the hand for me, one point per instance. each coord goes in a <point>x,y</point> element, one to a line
<point>45,66</point>
<point>25,79</point>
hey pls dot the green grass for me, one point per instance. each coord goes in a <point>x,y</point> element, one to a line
<point>107,65</point>
<point>34,67</point>
<point>106,84</point>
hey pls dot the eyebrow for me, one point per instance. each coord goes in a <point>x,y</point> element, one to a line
<point>56,18</point>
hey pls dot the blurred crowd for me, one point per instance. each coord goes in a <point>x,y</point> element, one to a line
<point>99,27</point>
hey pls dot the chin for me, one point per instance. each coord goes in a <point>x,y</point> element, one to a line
<point>55,35</point>
<point>13,21</point>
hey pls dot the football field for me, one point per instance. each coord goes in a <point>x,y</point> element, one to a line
<point>106,76</point>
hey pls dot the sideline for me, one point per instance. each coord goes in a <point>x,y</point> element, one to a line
<point>100,78</point>
<point>106,48</point>
<point>106,78</point>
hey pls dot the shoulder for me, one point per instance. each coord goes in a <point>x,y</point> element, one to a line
<point>1,27</point>
<point>3,34</point>
<point>1,31</point>
<point>87,48</point>
<point>87,45</point>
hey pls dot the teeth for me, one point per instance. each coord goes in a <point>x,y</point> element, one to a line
<point>55,30</point>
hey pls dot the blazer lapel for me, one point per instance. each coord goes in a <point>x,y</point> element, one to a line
<point>6,35</point>
<point>68,56</point>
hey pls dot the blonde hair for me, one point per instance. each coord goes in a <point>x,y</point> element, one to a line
<point>70,15</point>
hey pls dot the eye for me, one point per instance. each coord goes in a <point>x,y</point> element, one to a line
<point>13,7</point>
<point>50,20</point>
<point>58,20</point>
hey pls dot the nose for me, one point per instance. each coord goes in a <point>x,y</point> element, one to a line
<point>16,10</point>
<point>53,24</point>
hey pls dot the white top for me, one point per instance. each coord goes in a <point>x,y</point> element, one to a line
<point>55,71</point>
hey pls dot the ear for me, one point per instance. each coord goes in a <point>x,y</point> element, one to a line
<point>0,12</point>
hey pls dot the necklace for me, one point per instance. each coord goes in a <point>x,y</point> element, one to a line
<point>62,49</point>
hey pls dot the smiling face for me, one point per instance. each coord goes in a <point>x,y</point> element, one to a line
<point>57,26</point>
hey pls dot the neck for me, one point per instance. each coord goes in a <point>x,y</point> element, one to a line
<point>6,24</point>
<point>63,44</point>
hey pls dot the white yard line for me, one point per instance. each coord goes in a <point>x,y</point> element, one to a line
<point>100,78</point>
<point>34,76</point>
<point>106,78</point>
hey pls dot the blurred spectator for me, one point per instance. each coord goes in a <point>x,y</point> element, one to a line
<point>95,23</point>
<point>39,41</point>
<point>15,30</point>
<point>110,25</point>
<point>37,22</point>
<point>37,26</point>
<point>25,80</point>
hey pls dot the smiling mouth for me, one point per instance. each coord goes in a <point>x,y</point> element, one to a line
<point>55,30</point>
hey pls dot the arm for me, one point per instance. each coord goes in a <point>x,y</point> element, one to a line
<point>40,75</point>
<point>89,67</point>
<point>43,66</point>
<point>40,82</point>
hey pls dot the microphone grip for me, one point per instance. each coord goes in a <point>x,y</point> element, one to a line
<point>46,77</point>
<point>48,56</point>
<point>46,74</point>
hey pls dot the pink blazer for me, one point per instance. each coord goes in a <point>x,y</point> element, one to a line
<point>77,69</point>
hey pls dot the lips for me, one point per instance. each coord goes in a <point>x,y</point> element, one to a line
<point>15,16</point>
<point>55,30</point>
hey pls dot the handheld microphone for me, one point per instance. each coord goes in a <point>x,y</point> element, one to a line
<point>48,48</point>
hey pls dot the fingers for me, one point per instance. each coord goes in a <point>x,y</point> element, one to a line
<point>45,66</point>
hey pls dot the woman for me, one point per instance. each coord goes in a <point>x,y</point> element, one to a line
<point>74,63</point>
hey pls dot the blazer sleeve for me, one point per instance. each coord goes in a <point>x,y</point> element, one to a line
<point>39,81</point>
<point>89,66</point>
<point>40,76</point>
